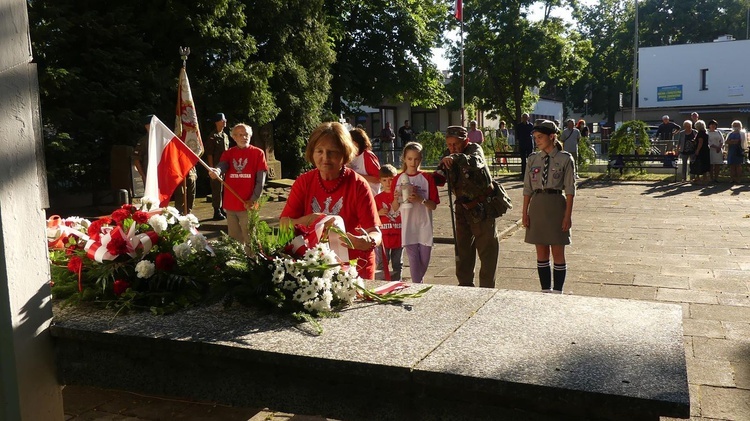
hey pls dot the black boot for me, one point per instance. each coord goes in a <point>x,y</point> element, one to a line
<point>218,216</point>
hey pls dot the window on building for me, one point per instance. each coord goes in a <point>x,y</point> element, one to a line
<point>704,83</point>
<point>424,121</point>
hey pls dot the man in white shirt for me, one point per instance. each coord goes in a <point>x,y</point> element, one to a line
<point>569,139</point>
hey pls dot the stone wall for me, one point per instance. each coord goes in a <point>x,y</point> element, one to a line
<point>28,386</point>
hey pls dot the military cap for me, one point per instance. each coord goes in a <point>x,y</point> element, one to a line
<point>219,117</point>
<point>458,132</point>
<point>547,127</point>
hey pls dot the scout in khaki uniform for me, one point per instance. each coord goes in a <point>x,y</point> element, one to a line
<point>548,192</point>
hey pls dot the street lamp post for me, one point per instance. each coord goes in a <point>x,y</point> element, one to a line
<point>585,106</point>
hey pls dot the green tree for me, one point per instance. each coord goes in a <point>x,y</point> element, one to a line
<point>292,36</point>
<point>506,56</point>
<point>104,66</point>
<point>383,51</point>
<point>609,26</point>
<point>665,22</point>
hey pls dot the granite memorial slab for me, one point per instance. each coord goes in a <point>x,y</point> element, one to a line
<point>455,353</point>
<point>570,355</point>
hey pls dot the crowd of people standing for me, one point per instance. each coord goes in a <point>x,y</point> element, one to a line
<point>704,150</point>
<point>348,180</point>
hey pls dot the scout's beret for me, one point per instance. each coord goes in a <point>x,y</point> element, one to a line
<point>219,117</point>
<point>147,119</point>
<point>547,127</point>
<point>456,131</point>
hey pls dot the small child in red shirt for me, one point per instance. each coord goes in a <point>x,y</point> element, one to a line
<point>390,223</point>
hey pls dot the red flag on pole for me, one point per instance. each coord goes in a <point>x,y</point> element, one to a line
<point>460,10</point>
<point>186,121</point>
<point>169,160</point>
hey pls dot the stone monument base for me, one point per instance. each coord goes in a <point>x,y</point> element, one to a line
<point>456,353</point>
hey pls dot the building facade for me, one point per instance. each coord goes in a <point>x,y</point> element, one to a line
<point>708,78</point>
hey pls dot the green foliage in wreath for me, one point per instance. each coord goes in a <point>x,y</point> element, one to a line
<point>630,138</point>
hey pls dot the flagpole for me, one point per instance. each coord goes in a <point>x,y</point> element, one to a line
<point>463,109</point>
<point>184,53</point>
<point>635,66</point>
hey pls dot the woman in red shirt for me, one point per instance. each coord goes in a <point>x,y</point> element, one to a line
<point>333,189</point>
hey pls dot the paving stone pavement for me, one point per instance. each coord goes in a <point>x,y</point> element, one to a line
<point>669,242</point>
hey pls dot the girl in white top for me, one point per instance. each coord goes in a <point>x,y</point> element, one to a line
<point>416,208</point>
<point>366,163</point>
<point>716,148</point>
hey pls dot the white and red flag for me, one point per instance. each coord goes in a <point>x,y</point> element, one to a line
<point>186,120</point>
<point>169,160</point>
<point>460,10</point>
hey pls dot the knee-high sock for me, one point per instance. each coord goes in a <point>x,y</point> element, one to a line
<point>545,276</point>
<point>560,271</point>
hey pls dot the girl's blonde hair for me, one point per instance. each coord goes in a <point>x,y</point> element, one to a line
<point>411,146</point>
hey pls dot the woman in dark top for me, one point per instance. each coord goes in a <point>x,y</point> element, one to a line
<point>702,153</point>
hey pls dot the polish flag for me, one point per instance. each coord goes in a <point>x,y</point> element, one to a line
<point>169,160</point>
<point>186,120</point>
<point>460,10</point>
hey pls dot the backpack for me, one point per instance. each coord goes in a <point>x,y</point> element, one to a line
<point>475,189</point>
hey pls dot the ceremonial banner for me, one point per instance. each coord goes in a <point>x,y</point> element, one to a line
<point>169,160</point>
<point>186,120</point>
<point>460,10</point>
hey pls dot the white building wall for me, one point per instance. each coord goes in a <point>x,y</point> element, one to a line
<point>549,107</point>
<point>670,76</point>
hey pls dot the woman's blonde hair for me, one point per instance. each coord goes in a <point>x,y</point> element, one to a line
<point>340,136</point>
<point>700,125</point>
<point>411,146</point>
<point>737,123</point>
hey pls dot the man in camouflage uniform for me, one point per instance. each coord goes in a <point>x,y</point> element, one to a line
<point>216,143</point>
<point>469,180</point>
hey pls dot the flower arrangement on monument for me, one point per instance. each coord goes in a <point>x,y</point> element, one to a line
<point>157,260</point>
<point>302,271</point>
<point>132,259</point>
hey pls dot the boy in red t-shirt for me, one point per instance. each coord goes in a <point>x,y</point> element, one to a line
<point>244,169</point>
<point>390,223</point>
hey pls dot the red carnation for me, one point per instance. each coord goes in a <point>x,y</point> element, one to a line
<point>164,261</point>
<point>140,217</point>
<point>117,246</point>
<point>120,215</point>
<point>128,207</point>
<point>120,286</point>
<point>95,228</point>
<point>71,249</point>
<point>75,264</point>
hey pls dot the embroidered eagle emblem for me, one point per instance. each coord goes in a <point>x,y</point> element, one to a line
<point>239,165</point>
<point>316,208</point>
